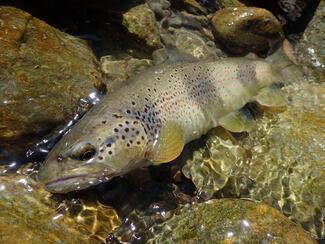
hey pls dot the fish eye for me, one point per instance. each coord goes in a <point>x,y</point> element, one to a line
<point>84,152</point>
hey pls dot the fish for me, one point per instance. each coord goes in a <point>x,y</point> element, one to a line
<point>150,119</point>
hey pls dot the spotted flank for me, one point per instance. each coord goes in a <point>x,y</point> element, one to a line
<point>150,119</point>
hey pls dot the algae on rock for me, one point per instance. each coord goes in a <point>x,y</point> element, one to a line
<point>29,214</point>
<point>141,21</point>
<point>43,74</point>
<point>229,221</point>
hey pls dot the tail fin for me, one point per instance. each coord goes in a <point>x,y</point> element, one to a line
<point>284,61</point>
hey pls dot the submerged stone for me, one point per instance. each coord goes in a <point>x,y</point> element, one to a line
<point>229,221</point>
<point>193,44</point>
<point>117,71</point>
<point>141,21</point>
<point>293,9</point>
<point>281,162</point>
<point>29,214</point>
<point>43,74</point>
<point>246,29</point>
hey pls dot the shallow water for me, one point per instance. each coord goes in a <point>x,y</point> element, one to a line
<point>281,162</point>
<point>29,214</point>
<point>269,165</point>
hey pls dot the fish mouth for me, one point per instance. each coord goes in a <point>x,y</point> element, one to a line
<point>73,183</point>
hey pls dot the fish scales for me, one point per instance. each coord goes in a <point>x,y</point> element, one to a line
<point>149,120</point>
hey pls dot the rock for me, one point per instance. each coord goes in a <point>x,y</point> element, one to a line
<point>29,214</point>
<point>159,7</point>
<point>191,6</point>
<point>194,45</point>
<point>292,9</point>
<point>230,3</point>
<point>159,56</point>
<point>246,29</point>
<point>141,21</point>
<point>43,74</point>
<point>118,71</point>
<point>311,48</point>
<point>189,44</point>
<point>281,162</point>
<point>230,221</point>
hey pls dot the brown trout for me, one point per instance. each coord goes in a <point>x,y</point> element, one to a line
<point>150,119</point>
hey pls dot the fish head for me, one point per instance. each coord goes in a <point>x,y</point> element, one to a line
<point>94,151</point>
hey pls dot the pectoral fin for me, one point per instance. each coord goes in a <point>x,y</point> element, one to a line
<point>271,97</point>
<point>238,121</point>
<point>169,145</point>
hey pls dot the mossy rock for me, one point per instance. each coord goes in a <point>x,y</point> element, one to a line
<point>230,221</point>
<point>43,74</point>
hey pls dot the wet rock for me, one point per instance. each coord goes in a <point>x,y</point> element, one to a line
<point>43,74</point>
<point>141,21</point>
<point>189,34</point>
<point>230,221</point>
<point>189,43</point>
<point>160,7</point>
<point>281,162</point>
<point>230,3</point>
<point>155,203</point>
<point>191,6</point>
<point>292,9</point>
<point>246,29</point>
<point>159,56</point>
<point>118,71</point>
<point>311,48</point>
<point>29,214</point>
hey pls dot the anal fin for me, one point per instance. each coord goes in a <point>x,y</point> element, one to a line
<point>238,121</point>
<point>169,144</point>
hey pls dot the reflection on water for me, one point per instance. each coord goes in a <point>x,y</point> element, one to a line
<point>281,162</point>
<point>229,221</point>
<point>28,214</point>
